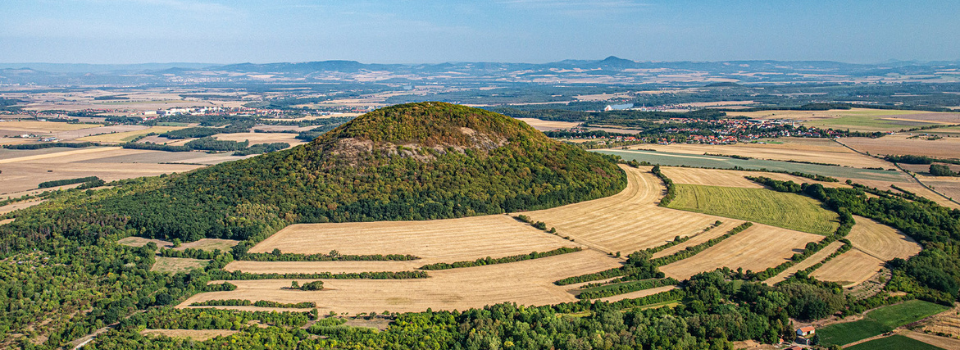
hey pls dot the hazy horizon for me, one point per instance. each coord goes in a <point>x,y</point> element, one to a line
<point>515,31</point>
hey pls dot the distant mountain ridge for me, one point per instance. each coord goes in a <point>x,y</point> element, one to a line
<point>614,68</point>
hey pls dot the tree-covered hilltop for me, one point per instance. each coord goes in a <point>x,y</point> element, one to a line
<point>406,162</point>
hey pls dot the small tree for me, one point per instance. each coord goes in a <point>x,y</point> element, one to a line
<point>176,243</point>
<point>295,285</point>
<point>315,285</point>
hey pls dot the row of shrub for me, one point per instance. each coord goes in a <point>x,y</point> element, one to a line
<point>55,183</point>
<point>259,303</point>
<point>387,275</point>
<point>625,287</point>
<point>694,250</point>
<point>677,240</point>
<point>671,188</point>
<point>504,260</point>
<point>276,255</point>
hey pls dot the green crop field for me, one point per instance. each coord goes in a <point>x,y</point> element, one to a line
<point>787,210</point>
<point>894,342</point>
<point>878,322</point>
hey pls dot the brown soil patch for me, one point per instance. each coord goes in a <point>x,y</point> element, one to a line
<point>433,240</point>
<point>195,334</point>
<point>628,221</point>
<point>850,268</point>
<point>527,282</point>
<point>881,241</point>
<point>809,261</point>
<point>755,249</point>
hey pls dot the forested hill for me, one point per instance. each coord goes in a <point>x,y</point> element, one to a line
<point>406,162</point>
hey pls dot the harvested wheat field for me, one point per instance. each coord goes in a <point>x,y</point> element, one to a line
<point>195,334</point>
<point>809,261</point>
<point>782,149</point>
<point>625,222</point>
<point>638,294</point>
<point>901,144</point>
<point>528,282</point>
<point>849,269</point>
<point>950,187</point>
<point>545,125</point>
<point>19,205</point>
<point>726,226</point>
<point>935,340</point>
<point>755,249</point>
<point>38,127</point>
<point>730,178</point>
<point>881,241</point>
<point>434,241</point>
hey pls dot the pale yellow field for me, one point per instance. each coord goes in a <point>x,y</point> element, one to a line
<point>174,265</point>
<point>731,178</point>
<point>809,261</point>
<point>140,241</point>
<point>19,205</point>
<point>195,334</point>
<point>755,249</point>
<point>806,150</point>
<point>527,282</point>
<point>210,244</point>
<point>881,241</point>
<point>32,126</point>
<point>911,186</point>
<point>544,125</point>
<point>260,137</point>
<point>626,222</point>
<point>434,241</point>
<point>129,135</point>
<point>850,268</point>
<point>23,170</point>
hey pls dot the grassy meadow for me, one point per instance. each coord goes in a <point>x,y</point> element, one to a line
<point>786,210</point>
<point>878,321</point>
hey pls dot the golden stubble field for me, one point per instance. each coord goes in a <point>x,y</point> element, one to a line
<point>628,221</point>
<point>786,148</point>
<point>433,241</point>
<point>755,249</point>
<point>527,282</point>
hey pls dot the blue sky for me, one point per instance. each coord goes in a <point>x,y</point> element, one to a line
<point>408,31</point>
